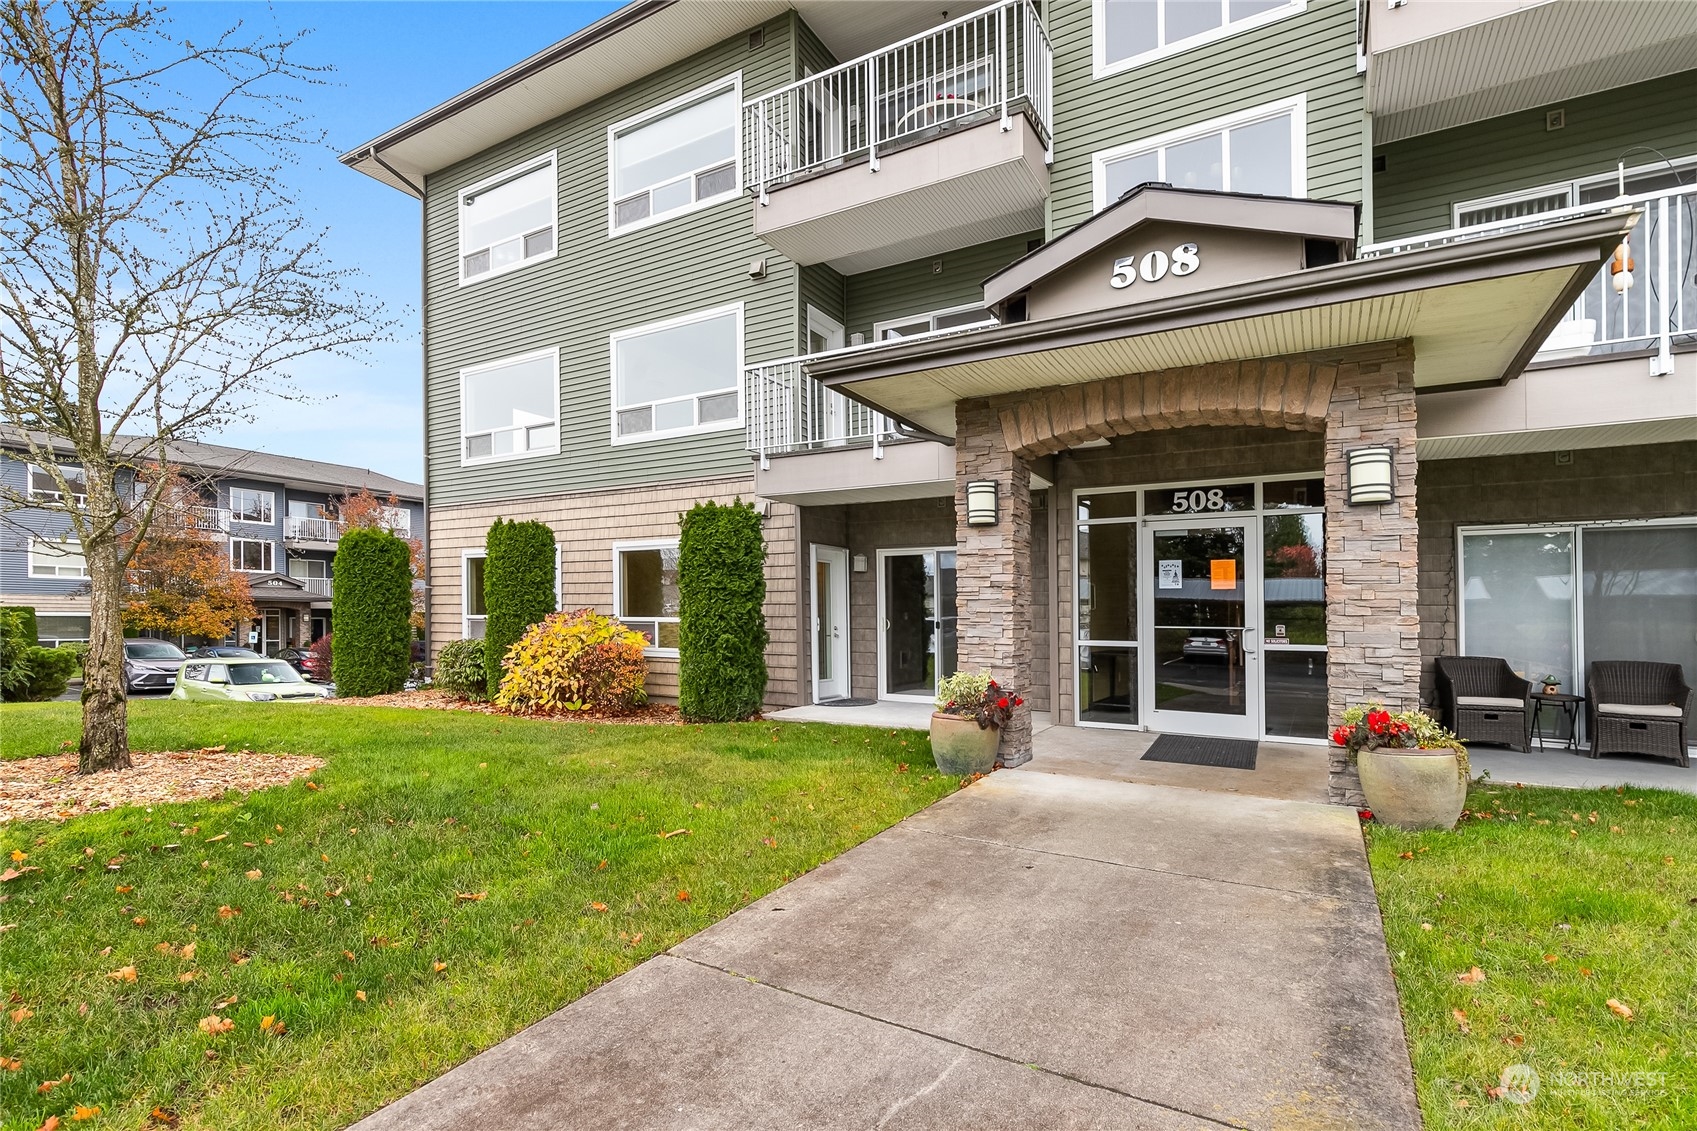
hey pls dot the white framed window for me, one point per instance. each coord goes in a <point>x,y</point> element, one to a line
<point>250,555</point>
<point>397,520</point>
<point>510,408</point>
<point>675,158</point>
<point>44,489</point>
<point>645,592</point>
<point>56,557</point>
<point>951,318</point>
<point>509,220</point>
<point>248,505</point>
<point>1594,189</point>
<point>1263,149</point>
<point>1126,33</point>
<point>677,377</point>
<point>474,615</point>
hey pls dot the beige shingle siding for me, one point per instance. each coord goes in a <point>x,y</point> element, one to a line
<point>586,525</point>
<point>596,284</point>
<point>1311,52</point>
<point>1425,176</point>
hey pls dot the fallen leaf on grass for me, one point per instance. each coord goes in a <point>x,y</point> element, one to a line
<point>11,874</point>
<point>254,873</point>
<point>471,896</point>
<point>52,1124</point>
<point>1552,958</point>
<point>598,907</point>
<point>1425,926</point>
<point>1472,977</point>
<point>769,842</point>
<point>10,1063</point>
<point>80,1113</point>
<point>162,1117</point>
<point>683,896</point>
<point>1460,1016</point>
<point>1514,1039</point>
<point>271,1026</point>
<point>140,920</point>
<point>359,995</point>
<point>19,856</point>
<point>46,1086</point>
<point>21,1014</point>
<point>1584,971</point>
<point>228,912</point>
<point>212,1025</point>
<point>216,839</point>
<point>1405,856</point>
<point>1668,860</point>
<point>1619,1009</point>
<point>673,833</point>
<point>186,977</point>
<point>124,889</point>
<point>438,967</point>
<point>123,974</point>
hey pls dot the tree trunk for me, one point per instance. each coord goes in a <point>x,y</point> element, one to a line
<point>105,714</point>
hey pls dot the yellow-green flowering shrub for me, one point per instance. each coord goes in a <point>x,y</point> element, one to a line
<point>580,661</point>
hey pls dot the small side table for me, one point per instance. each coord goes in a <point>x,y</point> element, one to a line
<point>1568,705</point>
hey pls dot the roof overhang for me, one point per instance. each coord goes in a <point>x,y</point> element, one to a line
<point>1476,311</point>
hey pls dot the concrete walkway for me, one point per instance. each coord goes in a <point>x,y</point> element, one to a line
<point>1037,951</point>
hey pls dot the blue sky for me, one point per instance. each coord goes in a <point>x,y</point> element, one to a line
<point>392,60</point>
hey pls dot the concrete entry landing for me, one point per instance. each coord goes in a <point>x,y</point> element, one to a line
<point>1290,771</point>
<point>1035,951</point>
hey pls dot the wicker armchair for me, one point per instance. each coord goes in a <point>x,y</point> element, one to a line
<point>1482,700</point>
<point>1637,707</point>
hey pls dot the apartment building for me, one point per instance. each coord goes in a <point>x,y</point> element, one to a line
<point>1199,367</point>
<point>274,514</point>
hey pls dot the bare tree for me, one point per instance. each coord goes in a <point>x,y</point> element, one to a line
<point>156,277</point>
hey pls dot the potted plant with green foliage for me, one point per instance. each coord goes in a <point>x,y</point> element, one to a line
<point>967,726</point>
<point>1413,771</point>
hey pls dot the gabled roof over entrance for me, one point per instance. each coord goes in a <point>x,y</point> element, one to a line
<point>1476,310</point>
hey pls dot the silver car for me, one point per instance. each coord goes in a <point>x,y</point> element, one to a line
<point>151,665</point>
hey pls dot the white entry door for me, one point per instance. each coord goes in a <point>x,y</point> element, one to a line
<point>830,623</point>
<point>1202,601</point>
<point>824,334</point>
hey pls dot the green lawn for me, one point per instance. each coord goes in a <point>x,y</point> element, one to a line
<point>1564,899</point>
<point>466,874</point>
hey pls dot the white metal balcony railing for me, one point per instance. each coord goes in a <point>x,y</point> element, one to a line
<point>211,518</point>
<point>791,412</point>
<point>317,585</point>
<point>297,529</point>
<point>1659,308</point>
<point>975,68</point>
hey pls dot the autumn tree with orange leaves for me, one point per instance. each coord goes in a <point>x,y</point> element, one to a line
<point>179,581</point>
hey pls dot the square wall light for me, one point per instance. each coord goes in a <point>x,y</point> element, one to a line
<point>1372,476</point>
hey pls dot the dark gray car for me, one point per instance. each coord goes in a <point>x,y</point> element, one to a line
<point>151,665</point>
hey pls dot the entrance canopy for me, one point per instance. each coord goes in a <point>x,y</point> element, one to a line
<point>1170,278</point>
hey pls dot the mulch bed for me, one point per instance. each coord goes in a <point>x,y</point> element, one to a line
<point>48,788</point>
<point>655,714</point>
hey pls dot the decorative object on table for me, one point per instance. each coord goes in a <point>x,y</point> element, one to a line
<point>1552,685</point>
<point>966,728</point>
<point>1482,700</point>
<point>1413,771</point>
<point>1566,706</point>
<point>1637,707</point>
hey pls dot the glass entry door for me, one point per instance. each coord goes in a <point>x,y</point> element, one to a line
<point>1203,674</point>
<point>916,598</point>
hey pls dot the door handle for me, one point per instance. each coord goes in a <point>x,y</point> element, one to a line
<point>1249,639</point>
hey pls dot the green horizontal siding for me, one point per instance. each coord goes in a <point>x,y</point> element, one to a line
<point>597,284</point>
<point>906,289</point>
<point>820,287</point>
<point>1426,176</point>
<point>1311,52</point>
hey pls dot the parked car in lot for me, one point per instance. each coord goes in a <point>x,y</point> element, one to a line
<point>305,661</point>
<point>244,679</point>
<point>1206,648</point>
<point>225,651</point>
<point>151,665</point>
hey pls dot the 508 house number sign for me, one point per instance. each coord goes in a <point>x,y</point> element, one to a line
<point>1153,266</point>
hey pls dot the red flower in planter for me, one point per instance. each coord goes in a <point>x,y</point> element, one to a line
<point>1364,814</point>
<point>1017,701</point>
<point>1002,702</point>
<point>1340,737</point>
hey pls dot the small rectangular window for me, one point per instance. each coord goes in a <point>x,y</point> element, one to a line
<point>56,557</point>
<point>248,505</point>
<point>508,220</point>
<point>510,408</point>
<point>1260,151</point>
<point>953,318</point>
<point>677,157</point>
<point>44,488</point>
<point>645,585</point>
<point>250,555</point>
<point>1133,31</point>
<point>678,377</point>
<point>474,616</point>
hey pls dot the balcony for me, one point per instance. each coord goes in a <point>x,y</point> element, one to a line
<point>211,518</point>
<point>1435,64</point>
<point>316,585</point>
<point>322,531</point>
<point>1655,314</point>
<point>936,142</point>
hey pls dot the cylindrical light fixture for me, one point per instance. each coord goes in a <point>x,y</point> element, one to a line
<point>981,502</point>
<point>1372,478</point>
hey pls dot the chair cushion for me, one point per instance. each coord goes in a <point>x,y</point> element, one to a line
<point>1643,710</point>
<point>1491,702</point>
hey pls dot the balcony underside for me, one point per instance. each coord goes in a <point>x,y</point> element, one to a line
<point>1440,65</point>
<point>848,473</point>
<point>964,187</point>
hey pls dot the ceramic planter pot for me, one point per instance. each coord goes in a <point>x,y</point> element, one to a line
<point>1552,689</point>
<point>960,747</point>
<point>1413,789</point>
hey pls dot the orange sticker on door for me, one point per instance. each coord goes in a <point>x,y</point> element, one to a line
<point>1222,573</point>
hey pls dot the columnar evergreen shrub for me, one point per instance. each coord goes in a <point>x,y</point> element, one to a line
<point>580,661</point>
<point>28,672</point>
<point>460,669</point>
<point>24,615</point>
<point>518,588</point>
<point>721,615</point>
<point>371,603</point>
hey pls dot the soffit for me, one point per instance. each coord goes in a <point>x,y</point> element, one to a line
<point>1557,439</point>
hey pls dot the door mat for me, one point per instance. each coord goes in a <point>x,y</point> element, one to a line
<point>1191,750</point>
<point>846,703</point>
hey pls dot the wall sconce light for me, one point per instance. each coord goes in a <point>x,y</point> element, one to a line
<point>981,502</point>
<point>859,563</point>
<point>1371,476</point>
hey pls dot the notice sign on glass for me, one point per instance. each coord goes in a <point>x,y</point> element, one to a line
<point>1222,573</point>
<point>1171,574</point>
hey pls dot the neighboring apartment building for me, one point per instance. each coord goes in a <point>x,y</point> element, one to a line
<point>275,516</point>
<point>892,274</point>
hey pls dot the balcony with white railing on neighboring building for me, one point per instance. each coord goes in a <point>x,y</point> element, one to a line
<point>318,530</point>
<point>216,519</point>
<point>320,586</point>
<point>1655,314</point>
<point>936,142</point>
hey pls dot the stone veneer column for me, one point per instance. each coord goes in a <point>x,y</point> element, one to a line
<point>993,578</point>
<point>1372,555</point>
